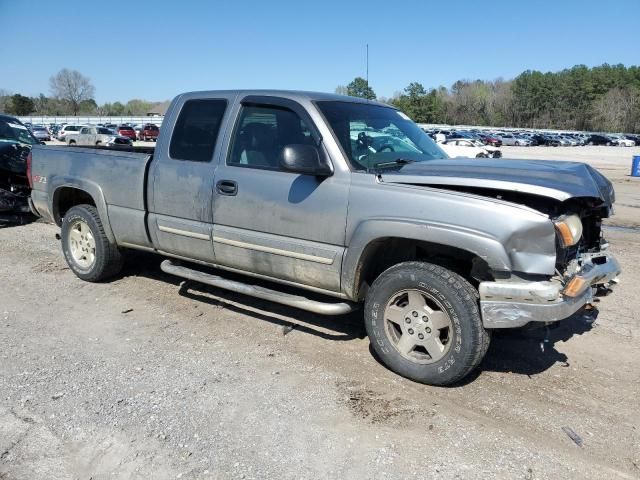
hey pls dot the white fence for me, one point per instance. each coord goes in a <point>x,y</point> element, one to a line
<point>91,120</point>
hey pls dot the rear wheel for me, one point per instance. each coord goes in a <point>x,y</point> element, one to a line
<point>87,250</point>
<point>424,323</point>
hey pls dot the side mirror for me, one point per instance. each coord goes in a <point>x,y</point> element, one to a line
<point>304,159</point>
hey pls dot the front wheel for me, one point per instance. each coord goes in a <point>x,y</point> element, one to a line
<point>86,247</point>
<point>424,323</point>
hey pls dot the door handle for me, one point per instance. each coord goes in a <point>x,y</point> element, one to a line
<point>227,187</point>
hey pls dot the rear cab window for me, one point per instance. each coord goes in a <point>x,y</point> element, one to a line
<point>196,131</point>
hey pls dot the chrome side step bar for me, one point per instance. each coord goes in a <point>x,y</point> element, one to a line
<point>296,301</point>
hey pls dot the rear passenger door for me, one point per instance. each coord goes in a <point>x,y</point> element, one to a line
<point>181,177</point>
<point>272,222</point>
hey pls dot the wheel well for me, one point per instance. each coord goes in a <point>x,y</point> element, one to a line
<point>383,253</point>
<point>67,197</point>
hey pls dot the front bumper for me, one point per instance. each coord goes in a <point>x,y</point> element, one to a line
<point>515,304</point>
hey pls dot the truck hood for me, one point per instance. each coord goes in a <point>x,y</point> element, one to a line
<point>546,178</point>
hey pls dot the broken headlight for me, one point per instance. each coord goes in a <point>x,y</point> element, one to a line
<point>569,228</point>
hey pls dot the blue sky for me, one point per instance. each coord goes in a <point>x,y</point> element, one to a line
<point>194,45</point>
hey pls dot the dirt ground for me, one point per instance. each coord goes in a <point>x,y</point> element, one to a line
<point>145,377</point>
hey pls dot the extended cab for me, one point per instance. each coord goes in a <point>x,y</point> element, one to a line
<point>351,201</point>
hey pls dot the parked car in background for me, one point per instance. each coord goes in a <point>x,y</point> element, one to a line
<point>622,141</point>
<point>68,130</point>
<point>634,138</point>
<point>100,136</point>
<point>511,139</point>
<point>598,139</point>
<point>464,147</point>
<point>54,130</point>
<point>149,132</point>
<point>563,142</point>
<point>494,152</point>
<point>489,139</point>
<point>126,131</point>
<point>41,133</point>
<point>546,140</point>
<point>568,141</point>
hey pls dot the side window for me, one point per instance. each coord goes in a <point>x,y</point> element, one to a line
<point>262,132</point>
<point>196,131</point>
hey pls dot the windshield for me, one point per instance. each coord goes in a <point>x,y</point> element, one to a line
<point>371,135</point>
<point>14,131</point>
<point>105,131</point>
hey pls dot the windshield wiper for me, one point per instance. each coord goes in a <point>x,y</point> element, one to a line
<point>393,163</point>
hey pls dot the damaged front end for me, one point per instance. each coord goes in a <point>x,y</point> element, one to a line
<point>584,269</point>
<point>575,198</point>
<point>15,146</point>
<point>14,198</point>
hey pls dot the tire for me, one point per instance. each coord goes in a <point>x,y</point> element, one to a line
<point>98,144</point>
<point>481,155</point>
<point>83,235</point>
<point>609,144</point>
<point>72,142</point>
<point>393,313</point>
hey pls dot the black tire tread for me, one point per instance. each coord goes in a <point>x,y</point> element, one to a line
<point>111,262</point>
<point>465,293</point>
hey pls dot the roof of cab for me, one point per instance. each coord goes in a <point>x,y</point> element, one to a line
<point>290,94</point>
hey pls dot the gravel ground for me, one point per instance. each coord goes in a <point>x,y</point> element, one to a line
<point>146,377</point>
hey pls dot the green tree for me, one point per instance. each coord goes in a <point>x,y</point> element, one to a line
<point>88,106</point>
<point>359,87</point>
<point>415,90</point>
<point>21,105</point>
<point>421,106</point>
<point>138,107</point>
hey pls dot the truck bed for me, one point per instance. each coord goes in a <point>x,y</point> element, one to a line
<point>117,176</point>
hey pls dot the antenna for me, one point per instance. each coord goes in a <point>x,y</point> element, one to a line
<point>367,64</point>
<point>367,69</point>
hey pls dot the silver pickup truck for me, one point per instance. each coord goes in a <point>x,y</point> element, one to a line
<point>348,200</point>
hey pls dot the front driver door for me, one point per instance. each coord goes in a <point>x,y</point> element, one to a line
<point>267,221</point>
